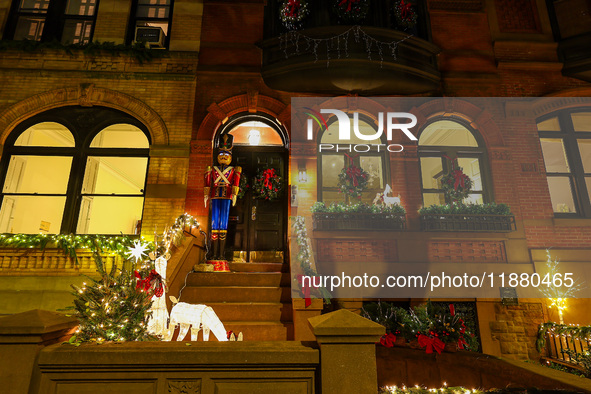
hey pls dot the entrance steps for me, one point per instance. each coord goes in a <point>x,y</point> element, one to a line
<point>253,299</point>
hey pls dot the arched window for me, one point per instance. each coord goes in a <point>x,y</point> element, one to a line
<point>74,169</point>
<point>566,145</point>
<point>331,163</point>
<point>452,139</point>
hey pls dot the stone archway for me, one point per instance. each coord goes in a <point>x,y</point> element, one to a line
<point>85,95</point>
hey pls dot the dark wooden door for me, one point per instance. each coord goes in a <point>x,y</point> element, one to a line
<point>256,225</point>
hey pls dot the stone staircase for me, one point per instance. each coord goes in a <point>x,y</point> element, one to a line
<point>253,299</point>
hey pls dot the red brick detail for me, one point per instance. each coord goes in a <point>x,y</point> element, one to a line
<point>468,252</point>
<point>351,250</point>
<point>517,16</point>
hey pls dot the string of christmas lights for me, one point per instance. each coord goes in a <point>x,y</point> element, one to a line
<point>338,43</point>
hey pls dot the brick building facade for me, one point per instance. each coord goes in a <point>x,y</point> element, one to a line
<point>224,56</point>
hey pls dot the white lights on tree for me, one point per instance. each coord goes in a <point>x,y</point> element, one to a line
<point>198,317</point>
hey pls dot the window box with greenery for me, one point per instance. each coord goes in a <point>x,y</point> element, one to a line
<point>357,217</point>
<point>489,217</point>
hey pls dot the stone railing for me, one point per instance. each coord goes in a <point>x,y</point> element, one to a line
<point>342,360</point>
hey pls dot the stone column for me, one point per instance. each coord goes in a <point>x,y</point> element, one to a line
<point>347,352</point>
<point>22,336</point>
<point>301,315</point>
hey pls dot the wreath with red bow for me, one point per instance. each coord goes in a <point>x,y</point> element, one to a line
<point>455,184</point>
<point>351,11</point>
<point>267,185</point>
<point>353,181</point>
<point>293,12</point>
<point>405,15</point>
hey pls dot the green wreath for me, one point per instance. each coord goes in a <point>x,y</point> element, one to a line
<point>353,181</point>
<point>351,11</point>
<point>293,12</point>
<point>406,17</point>
<point>455,184</point>
<point>267,185</point>
<point>243,186</point>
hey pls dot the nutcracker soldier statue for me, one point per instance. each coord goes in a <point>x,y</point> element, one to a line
<point>222,186</point>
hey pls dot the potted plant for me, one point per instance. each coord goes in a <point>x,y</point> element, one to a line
<point>361,216</point>
<point>458,216</point>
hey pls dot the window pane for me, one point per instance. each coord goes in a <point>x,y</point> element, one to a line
<point>433,199</point>
<point>561,194</point>
<point>120,175</point>
<point>431,172</point>
<point>109,215</point>
<point>331,168</point>
<point>81,7</point>
<point>153,8</point>
<point>29,28</point>
<point>373,166</point>
<point>46,134</point>
<point>447,133</point>
<point>38,174</point>
<point>331,136</point>
<point>120,136</point>
<point>77,32</point>
<point>31,214</point>
<point>585,150</point>
<point>38,6</point>
<point>581,121</point>
<point>549,125</point>
<point>474,199</point>
<point>255,133</point>
<point>471,167</point>
<point>554,155</point>
<point>328,197</point>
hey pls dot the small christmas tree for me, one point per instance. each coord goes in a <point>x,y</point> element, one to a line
<point>115,306</point>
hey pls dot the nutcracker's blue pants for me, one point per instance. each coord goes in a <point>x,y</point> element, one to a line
<point>220,209</point>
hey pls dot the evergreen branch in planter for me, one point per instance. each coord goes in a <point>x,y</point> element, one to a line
<point>137,50</point>
<point>320,207</point>
<point>467,209</point>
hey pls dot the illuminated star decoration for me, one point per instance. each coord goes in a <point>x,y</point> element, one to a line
<point>137,250</point>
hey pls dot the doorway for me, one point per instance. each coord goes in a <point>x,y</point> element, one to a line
<point>257,228</point>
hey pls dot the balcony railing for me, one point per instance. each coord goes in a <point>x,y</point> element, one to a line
<point>467,222</point>
<point>376,55</point>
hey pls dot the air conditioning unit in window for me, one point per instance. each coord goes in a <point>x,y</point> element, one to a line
<point>152,37</point>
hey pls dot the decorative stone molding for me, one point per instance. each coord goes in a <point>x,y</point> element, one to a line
<point>251,102</point>
<point>86,95</point>
<point>184,386</point>
<point>500,154</point>
<point>201,147</point>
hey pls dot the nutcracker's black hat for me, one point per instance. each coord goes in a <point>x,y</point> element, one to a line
<point>226,143</point>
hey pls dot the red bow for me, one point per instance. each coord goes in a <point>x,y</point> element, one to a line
<point>388,340</point>
<point>306,290</point>
<point>452,309</point>
<point>404,9</point>
<point>352,173</point>
<point>431,343</point>
<point>268,174</point>
<point>153,280</point>
<point>294,8</point>
<point>349,3</point>
<point>462,342</point>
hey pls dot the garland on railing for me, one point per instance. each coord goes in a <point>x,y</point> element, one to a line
<point>118,244</point>
<point>583,333</point>
<point>303,257</point>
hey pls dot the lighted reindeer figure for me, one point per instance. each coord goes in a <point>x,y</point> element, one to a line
<point>197,316</point>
